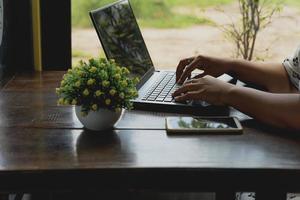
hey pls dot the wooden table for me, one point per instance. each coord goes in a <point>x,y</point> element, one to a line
<point>43,147</point>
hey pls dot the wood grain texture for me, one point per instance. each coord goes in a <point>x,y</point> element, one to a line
<point>42,149</point>
<point>24,82</point>
<point>147,159</point>
<point>46,144</point>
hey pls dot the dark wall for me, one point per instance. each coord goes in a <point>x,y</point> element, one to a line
<point>56,34</point>
<point>16,47</point>
<point>16,50</point>
<point>5,38</point>
<point>22,46</point>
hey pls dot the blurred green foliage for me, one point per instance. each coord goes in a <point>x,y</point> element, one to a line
<point>151,13</point>
<point>293,3</point>
<point>80,54</point>
<point>202,3</point>
<point>154,13</point>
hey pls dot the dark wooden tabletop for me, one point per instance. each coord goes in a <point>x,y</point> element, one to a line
<point>45,144</point>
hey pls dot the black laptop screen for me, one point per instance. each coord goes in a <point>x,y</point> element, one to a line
<point>121,37</point>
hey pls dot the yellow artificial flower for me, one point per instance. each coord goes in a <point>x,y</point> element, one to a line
<point>66,102</point>
<point>74,102</point>
<point>86,92</point>
<point>124,84</point>
<point>135,93</point>
<point>98,93</point>
<point>117,76</point>
<point>125,70</point>
<point>122,95</point>
<point>105,83</point>
<point>132,92</point>
<point>81,62</point>
<point>118,70</point>
<point>136,80</point>
<point>57,90</point>
<point>94,107</point>
<point>61,101</point>
<point>112,92</point>
<point>118,109</point>
<point>93,70</point>
<point>62,83</point>
<point>77,84</point>
<point>107,102</point>
<point>80,73</point>
<point>91,81</point>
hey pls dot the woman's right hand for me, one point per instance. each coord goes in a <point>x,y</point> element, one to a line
<point>211,66</point>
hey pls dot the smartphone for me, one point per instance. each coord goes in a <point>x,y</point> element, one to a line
<point>203,125</point>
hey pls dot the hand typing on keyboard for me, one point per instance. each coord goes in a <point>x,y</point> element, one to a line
<point>208,89</point>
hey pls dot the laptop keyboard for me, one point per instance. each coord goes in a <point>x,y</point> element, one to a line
<point>162,89</point>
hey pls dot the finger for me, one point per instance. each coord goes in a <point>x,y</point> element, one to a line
<point>188,70</point>
<point>200,75</point>
<point>193,80</point>
<point>185,88</point>
<point>181,66</point>
<point>195,95</point>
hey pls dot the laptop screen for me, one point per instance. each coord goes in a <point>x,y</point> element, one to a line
<point>121,37</point>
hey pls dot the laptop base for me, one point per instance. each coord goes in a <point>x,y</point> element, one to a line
<point>196,110</point>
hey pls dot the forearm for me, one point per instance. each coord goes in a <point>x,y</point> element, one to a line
<point>271,76</point>
<point>281,110</point>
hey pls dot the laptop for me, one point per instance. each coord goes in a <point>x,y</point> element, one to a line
<point>121,39</point>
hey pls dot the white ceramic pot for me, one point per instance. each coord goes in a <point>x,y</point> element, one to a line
<point>103,119</point>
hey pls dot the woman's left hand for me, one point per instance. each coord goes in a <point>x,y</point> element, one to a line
<point>208,89</point>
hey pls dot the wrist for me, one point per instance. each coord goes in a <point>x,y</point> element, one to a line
<point>225,63</point>
<point>229,94</point>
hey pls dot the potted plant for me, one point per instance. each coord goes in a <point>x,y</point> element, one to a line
<point>99,89</point>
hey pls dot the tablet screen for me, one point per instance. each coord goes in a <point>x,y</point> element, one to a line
<point>200,123</point>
